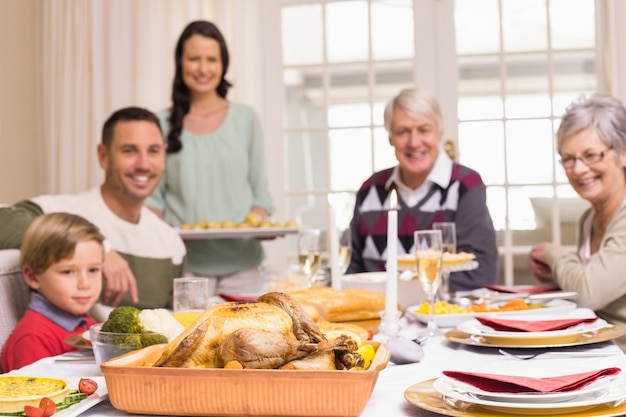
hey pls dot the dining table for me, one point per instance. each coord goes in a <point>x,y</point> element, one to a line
<point>388,396</point>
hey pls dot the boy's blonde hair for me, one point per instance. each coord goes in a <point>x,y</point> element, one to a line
<point>53,237</point>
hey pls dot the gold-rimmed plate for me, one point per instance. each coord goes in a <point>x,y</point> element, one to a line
<point>607,333</point>
<point>423,395</point>
<point>570,334</point>
<point>610,394</point>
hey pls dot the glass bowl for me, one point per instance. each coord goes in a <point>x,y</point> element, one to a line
<point>108,345</point>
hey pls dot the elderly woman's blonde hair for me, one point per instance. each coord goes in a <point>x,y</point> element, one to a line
<point>417,103</point>
<point>53,237</point>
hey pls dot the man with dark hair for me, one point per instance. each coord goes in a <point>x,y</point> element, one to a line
<point>144,253</point>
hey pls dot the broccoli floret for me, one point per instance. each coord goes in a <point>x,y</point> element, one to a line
<point>139,340</point>
<point>123,319</point>
<point>127,319</point>
<point>152,338</point>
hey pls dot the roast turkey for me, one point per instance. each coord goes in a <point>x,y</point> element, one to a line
<point>266,334</point>
<point>260,349</point>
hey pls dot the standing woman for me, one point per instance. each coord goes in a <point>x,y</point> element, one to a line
<point>215,166</point>
<point>591,141</point>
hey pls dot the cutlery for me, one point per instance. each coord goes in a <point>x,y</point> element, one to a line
<point>87,359</point>
<point>76,357</point>
<point>564,354</point>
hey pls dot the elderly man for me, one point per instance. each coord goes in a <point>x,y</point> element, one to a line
<point>431,188</point>
<point>144,253</point>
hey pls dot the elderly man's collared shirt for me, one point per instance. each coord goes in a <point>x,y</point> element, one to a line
<point>451,192</point>
<point>440,175</point>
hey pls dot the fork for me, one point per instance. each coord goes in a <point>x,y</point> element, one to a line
<point>521,357</point>
<point>554,353</point>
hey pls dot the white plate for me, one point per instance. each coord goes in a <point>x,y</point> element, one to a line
<point>615,392</point>
<point>240,232</point>
<point>535,397</point>
<point>474,327</point>
<point>453,320</point>
<point>100,395</point>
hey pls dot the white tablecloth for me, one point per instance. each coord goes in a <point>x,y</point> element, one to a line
<point>388,396</point>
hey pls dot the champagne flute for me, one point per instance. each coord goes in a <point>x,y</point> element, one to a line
<point>309,254</point>
<point>448,235</point>
<point>345,250</point>
<point>428,254</point>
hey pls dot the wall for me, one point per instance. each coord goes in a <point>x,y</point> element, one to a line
<point>18,101</point>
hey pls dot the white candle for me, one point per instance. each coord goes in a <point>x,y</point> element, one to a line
<point>391,297</point>
<point>333,248</point>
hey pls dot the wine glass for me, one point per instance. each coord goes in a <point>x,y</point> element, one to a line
<point>428,254</point>
<point>345,250</point>
<point>309,254</point>
<point>448,235</point>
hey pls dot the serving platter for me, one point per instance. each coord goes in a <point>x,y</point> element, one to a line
<point>606,333</point>
<point>79,408</point>
<point>453,320</point>
<point>423,395</point>
<point>235,233</point>
<point>407,262</point>
<point>89,402</point>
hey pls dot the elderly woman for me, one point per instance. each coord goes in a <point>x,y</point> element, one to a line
<point>591,140</point>
<point>431,188</point>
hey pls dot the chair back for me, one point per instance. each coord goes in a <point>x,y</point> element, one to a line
<point>14,293</point>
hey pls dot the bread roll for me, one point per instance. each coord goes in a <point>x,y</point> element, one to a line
<point>343,305</point>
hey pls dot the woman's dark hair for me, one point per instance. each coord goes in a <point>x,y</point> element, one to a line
<point>181,98</point>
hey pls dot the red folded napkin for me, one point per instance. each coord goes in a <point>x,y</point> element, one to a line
<point>506,325</point>
<point>234,297</point>
<point>516,383</point>
<point>521,289</point>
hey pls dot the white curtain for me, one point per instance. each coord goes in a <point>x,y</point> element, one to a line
<point>100,55</point>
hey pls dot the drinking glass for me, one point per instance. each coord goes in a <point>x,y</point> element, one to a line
<point>345,251</point>
<point>428,255</point>
<point>309,257</point>
<point>448,236</point>
<point>191,298</point>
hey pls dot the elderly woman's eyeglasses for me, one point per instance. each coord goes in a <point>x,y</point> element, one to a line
<point>588,158</point>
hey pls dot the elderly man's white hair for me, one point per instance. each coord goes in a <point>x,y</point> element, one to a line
<point>417,103</point>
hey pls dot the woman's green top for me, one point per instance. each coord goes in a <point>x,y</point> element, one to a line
<point>218,176</point>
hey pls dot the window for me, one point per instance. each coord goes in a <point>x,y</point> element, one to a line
<point>513,75</point>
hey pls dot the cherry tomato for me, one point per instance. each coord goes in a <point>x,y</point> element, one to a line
<point>87,386</point>
<point>32,411</point>
<point>48,406</point>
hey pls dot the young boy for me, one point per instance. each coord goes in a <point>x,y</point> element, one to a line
<point>61,259</point>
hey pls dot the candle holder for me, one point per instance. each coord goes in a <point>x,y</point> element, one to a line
<point>390,326</point>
